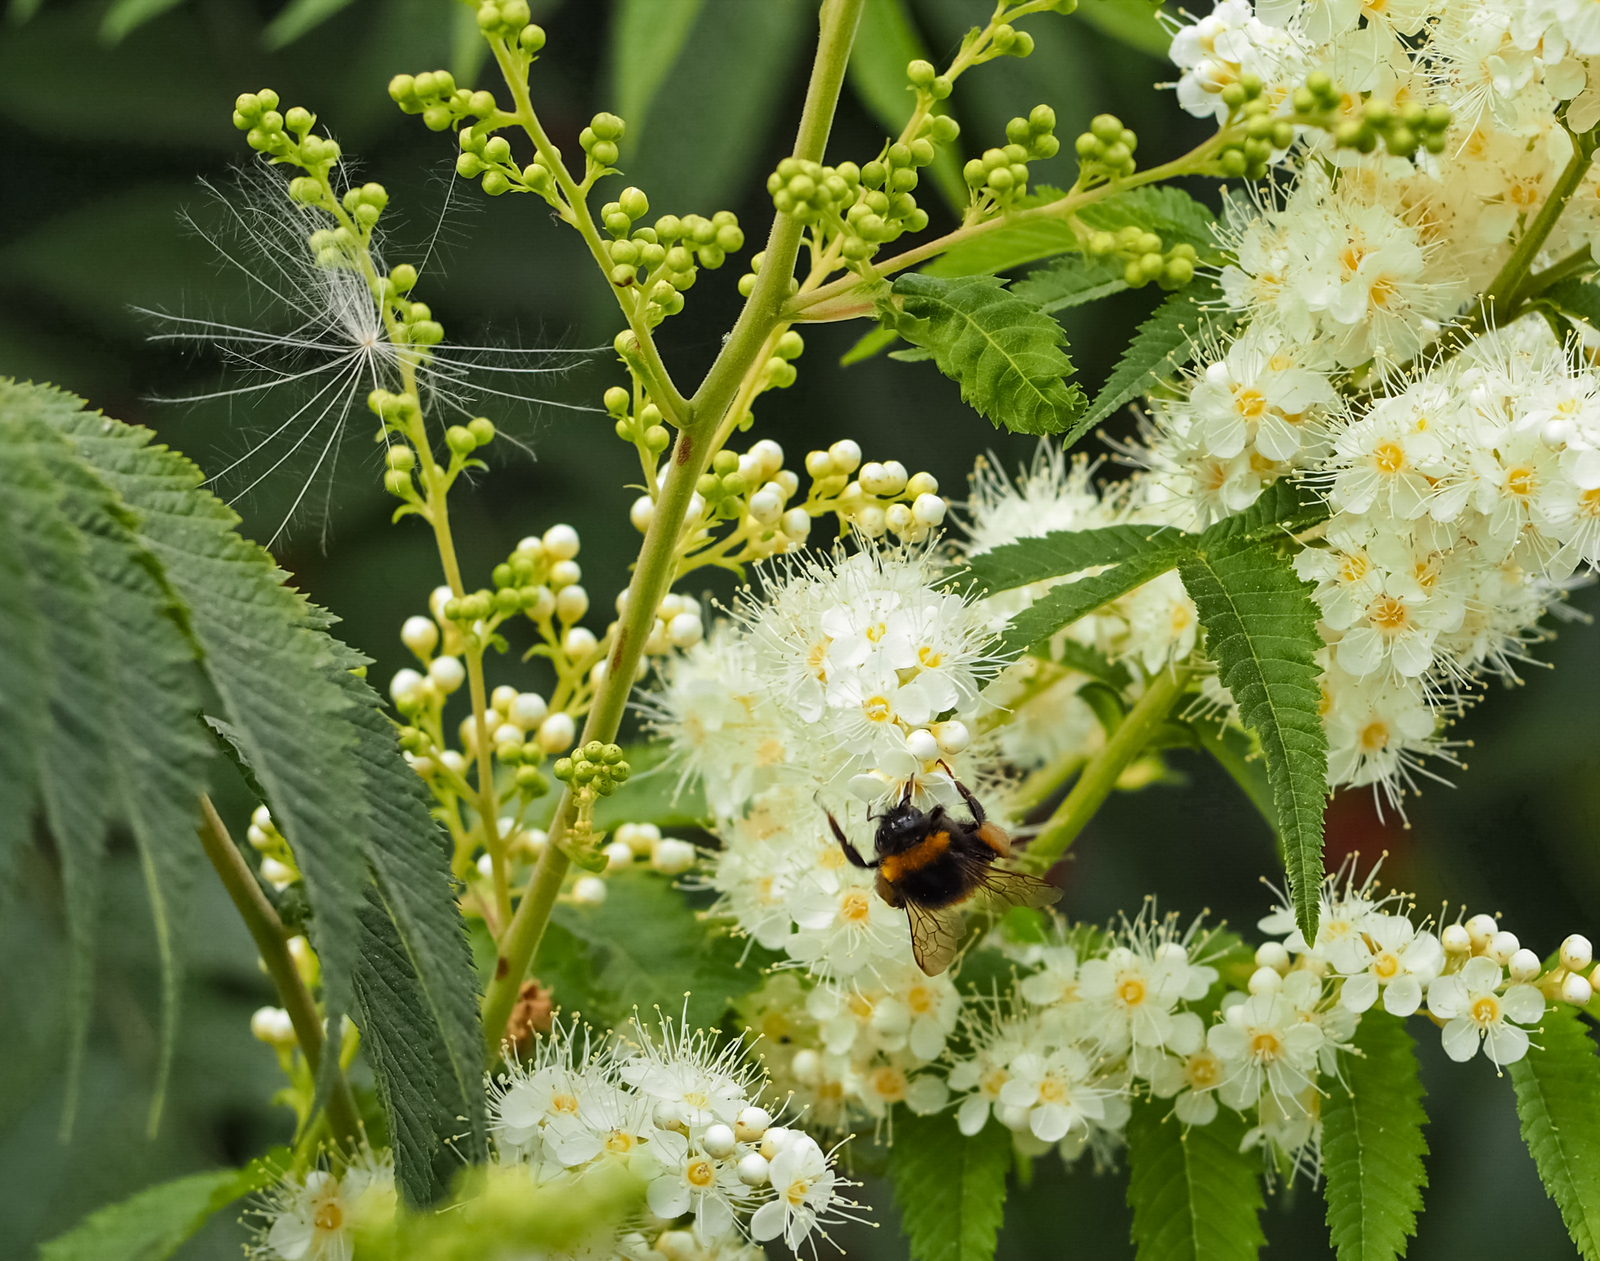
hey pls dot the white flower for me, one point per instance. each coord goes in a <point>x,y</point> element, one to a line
<point>701,1184</point>
<point>1190,1081</point>
<point>1266,1047</point>
<point>1051,1094</point>
<point>803,1183</point>
<point>315,1217</point>
<point>1404,962</point>
<point>1479,1015</point>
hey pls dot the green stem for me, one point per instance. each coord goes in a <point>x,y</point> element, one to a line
<point>655,568</point>
<point>1100,775</point>
<point>272,941</point>
<point>1576,263</point>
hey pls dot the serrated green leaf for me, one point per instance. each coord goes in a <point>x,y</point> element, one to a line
<point>297,18</point>
<point>647,37</point>
<point>1005,355</point>
<point>950,1190</point>
<point>1069,281</point>
<point>1558,1100</point>
<point>1162,345</point>
<point>1173,215</point>
<point>886,42</point>
<point>1576,297</point>
<point>870,345</point>
<point>1372,1143</point>
<point>152,1224</point>
<point>1194,1195</point>
<point>1132,22</point>
<point>1010,245</point>
<point>1261,630</point>
<point>641,947</point>
<point>24,672</point>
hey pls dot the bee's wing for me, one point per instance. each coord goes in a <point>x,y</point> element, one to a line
<point>935,936</point>
<point>1012,888</point>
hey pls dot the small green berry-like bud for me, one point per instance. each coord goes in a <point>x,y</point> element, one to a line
<point>634,203</point>
<point>503,575</point>
<point>469,166</point>
<point>531,39</point>
<point>617,400</point>
<point>460,440</point>
<point>531,783</point>
<point>608,126</point>
<point>730,237</point>
<point>604,153</point>
<point>623,275</point>
<point>710,487</point>
<point>922,152</point>
<point>563,769</point>
<point>657,439</point>
<point>1107,128</point>
<point>790,346</point>
<point>976,173</point>
<point>482,430</point>
<point>400,457</point>
<point>944,129</point>
<point>496,182</point>
<point>921,73</point>
<point>725,462</point>
<point>1018,131</point>
<point>396,482</point>
<point>941,87</point>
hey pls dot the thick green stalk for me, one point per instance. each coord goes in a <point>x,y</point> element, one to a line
<point>272,941</point>
<point>1127,742</point>
<point>656,566</point>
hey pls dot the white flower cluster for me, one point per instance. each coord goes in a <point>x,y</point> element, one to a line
<point>681,1113</point>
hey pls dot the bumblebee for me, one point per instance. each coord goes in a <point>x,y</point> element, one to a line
<point>930,863</point>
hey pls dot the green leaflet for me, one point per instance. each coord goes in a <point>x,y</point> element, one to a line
<point>950,1190</point>
<point>646,38</point>
<point>1261,630</point>
<point>1173,215</point>
<point>1372,1144</point>
<point>23,678</point>
<point>297,18</point>
<point>1005,354</point>
<point>1558,1099</point>
<point>126,16</point>
<point>152,1224</point>
<point>886,41</point>
<point>1194,1195</point>
<point>642,947</point>
<point>870,345</point>
<point>1576,297</point>
<point>1133,22</point>
<point>1163,344</point>
<point>1069,281</point>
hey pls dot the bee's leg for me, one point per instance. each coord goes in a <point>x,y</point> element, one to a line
<point>990,834</point>
<point>844,844</point>
<point>973,804</point>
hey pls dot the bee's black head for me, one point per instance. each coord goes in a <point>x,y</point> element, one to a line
<point>900,827</point>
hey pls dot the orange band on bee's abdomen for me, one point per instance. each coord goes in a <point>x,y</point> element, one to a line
<point>927,850</point>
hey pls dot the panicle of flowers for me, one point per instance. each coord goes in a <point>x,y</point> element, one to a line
<point>315,1215</point>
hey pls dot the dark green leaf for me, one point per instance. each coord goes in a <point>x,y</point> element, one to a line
<point>297,18</point>
<point>641,947</point>
<point>1133,22</point>
<point>151,1225</point>
<point>1195,1196</point>
<point>1576,297</point>
<point>1372,1144</point>
<point>1558,1099</point>
<point>1163,344</point>
<point>1006,356</point>
<point>127,16</point>
<point>1094,663</point>
<point>886,42</point>
<point>1239,753</point>
<point>647,37</point>
<point>1009,245</point>
<point>950,1190</point>
<point>871,344</point>
<point>1069,281</point>
<point>1173,215</point>
<point>1261,630</point>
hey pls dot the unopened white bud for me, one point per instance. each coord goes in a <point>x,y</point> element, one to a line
<point>420,634</point>
<point>928,510</point>
<point>437,599</point>
<point>685,630</point>
<point>641,514</point>
<point>1455,939</point>
<point>572,603</point>
<point>560,542</point>
<point>775,1140</point>
<point>680,1245</point>
<point>508,733</point>
<point>895,477</point>
<point>846,456</point>
<point>765,507</point>
<point>453,762</point>
<point>806,1067</point>
<point>922,484</point>
<point>528,710</point>
<point>672,857</point>
<point>899,519</point>
<point>922,745</point>
<point>527,844</point>
<point>953,737</point>
<point>579,643</point>
<point>258,838</point>
<point>819,464</point>
<point>272,1026</point>
<point>502,697</point>
<point>1481,928</point>
<point>588,891</point>
<point>1524,965</point>
<point>564,573</point>
<point>1265,980</point>
<point>447,672</point>
<point>753,1170</point>
<point>278,875</point>
<point>656,642</point>
<point>796,524</point>
<point>770,453</point>
<point>404,687</point>
<point>871,521</point>
<point>697,510</point>
<point>556,733</point>
<point>261,817</point>
<point>639,837</point>
<point>871,477</point>
<point>787,481</point>
<point>751,469</point>
<point>1272,954</point>
<point>531,547</point>
<point>1576,953</point>
<point>1576,990</point>
<point>618,856</point>
<point>1502,946</point>
<point>718,1142</point>
<point>751,1124</point>
<point>543,606</point>
<point>485,866</point>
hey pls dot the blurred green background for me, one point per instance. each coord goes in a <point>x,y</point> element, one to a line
<point>111,113</point>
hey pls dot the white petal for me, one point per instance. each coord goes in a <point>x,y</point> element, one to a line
<point>767,1222</point>
<point>1460,1039</point>
<point>1403,996</point>
<point>1505,1044</point>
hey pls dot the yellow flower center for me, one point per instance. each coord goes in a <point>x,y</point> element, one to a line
<point>855,909</point>
<point>619,1142</point>
<point>1389,457</point>
<point>1384,291</point>
<point>328,1217</point>
<point>1519,482</point>
<point>702,1173</point>
<point>1354,566</point>
<point>1386,966</point>
<point>889,1084</point>
<point>1265,1044</point>
<point>1203,1070</point>
<point>1130,990</point>
<point>877,708</point>
<point>920,1000</point>
<point>563,1103</point>
<point>1388,614</point>
<point>1589,502</point>
<point>1485,1010</point>
<point>1249,403</point>
<point>797,1191</point>
<point>991,1082</point>
<point>1375,737</point>
<point>929,658</point>
<point>1052,1091</point>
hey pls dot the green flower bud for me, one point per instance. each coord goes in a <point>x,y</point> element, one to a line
<point>944,129</point>
<point>941,87</point>
<point>1233,162</point>
<point>247,105</point>
<point>1014,153</point>
<point>607,126</point>
<point>1000,180</point>
<point>916,220</point>
<point>1178,272</point>
<point>634,203</point>
<point>921,73</point>
<point>617,223</point>
<point>604,153</point>
<point>873,174</point>
<point>482,430</point>
<point>400,458</point>
<point>730,238</point>
<point>460,440</point>
<point>1232,96</point>
<point>1252,84</point>
<point>903,180</point>
<point>1347,135</point>
<point>268,98</point>
<point>496,182</point>
<point>617,400</point>
<point>1044,147</point>
<point>657,439</point>
<point>397,483</point>
<point>710,487</point>
<point>1042,119</point>
<point>437,117</point>
<point>975,173</point>
<point>1107,128</point>
<point>1018,131</point>
<point>536,177</point>
<point>625,252</point>
<point>531,39</point>
<point>305,190</point>
<point>563,769</point>
<point>725,462</point>
<point>899,155</point>
<point>1102,243</point>
<point>1436,118</point>
<point>469,166</point>
<point>531,783</point>
<point>488,17</point>
<point>403,277</point>
<point>502,575</point>
<point>1282,134</point>
<point>624,430</point>
<point>298,120</point>
<point>711,256</point>
<point>507,601</point>
<point>623,275</point>
<point>922,152</point>
<point>497,149</point>
<point>790,346</point>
